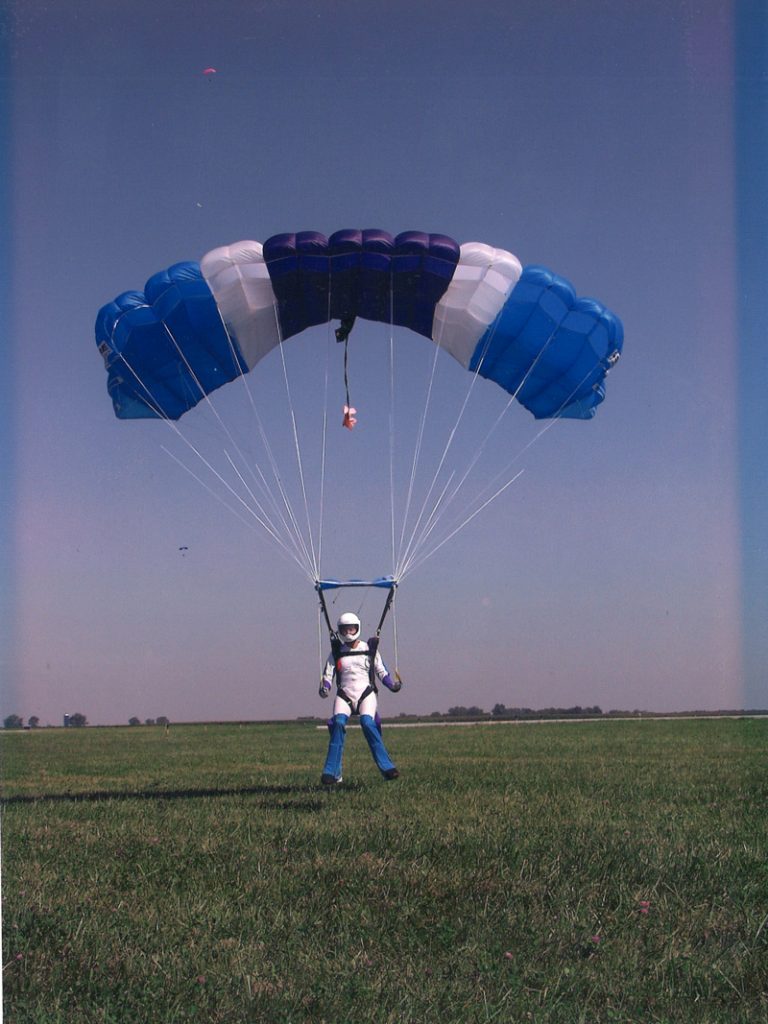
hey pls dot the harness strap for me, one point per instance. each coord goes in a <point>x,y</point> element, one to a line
<point>355,706</point>
<point>373,646</point>
<point>338,655</point>
<point>387,606</point>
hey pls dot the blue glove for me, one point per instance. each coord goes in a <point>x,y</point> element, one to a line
<point>392,684</point>
<point>325,689</point>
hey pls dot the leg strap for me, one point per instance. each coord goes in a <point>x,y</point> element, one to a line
<point>356,704</point>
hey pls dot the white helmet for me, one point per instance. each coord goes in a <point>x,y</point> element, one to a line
<point>348,627</point>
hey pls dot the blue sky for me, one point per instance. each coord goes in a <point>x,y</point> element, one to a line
<point>614,142</point>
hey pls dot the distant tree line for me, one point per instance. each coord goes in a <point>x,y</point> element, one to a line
<point>17,722</point>
<point>501,711</point>
<point>76,721</point>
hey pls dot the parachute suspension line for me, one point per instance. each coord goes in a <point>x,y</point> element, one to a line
<point>150,401</point>
<point>414,564</point>
<point>392,422</point>
<point>227,433</point>
<point>300,551</point>
<point>323,450</point>
<point>297,446</point>
<point>547,426</point>
<point>320,646</point>
<point>290,526</point>
<point>292,531</point>
<point>416,454</point>
<point>414,540</point>
<point>438,513</point>
<point>305,562</point>
<point>557,417</point>
<point>441,508</point>
<point>264,522</point>
<point>390,604</point>
<point>203,395</point>
<point>394,636</point>
<point>429,525</point>
<point>282,546</point>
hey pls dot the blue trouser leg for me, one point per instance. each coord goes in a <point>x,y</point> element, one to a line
<point>336,746</point>
<point>375,742</point>
<point>376,719</point>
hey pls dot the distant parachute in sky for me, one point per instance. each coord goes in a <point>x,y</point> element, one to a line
<point>196,326</point>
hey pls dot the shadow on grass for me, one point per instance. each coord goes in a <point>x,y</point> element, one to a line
<point>270,796</point>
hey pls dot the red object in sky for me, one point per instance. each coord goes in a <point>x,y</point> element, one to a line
<point>350,417</point>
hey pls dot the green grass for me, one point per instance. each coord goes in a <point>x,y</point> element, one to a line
<point>596,872</point>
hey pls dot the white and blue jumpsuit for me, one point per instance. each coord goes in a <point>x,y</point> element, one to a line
<point>355,694</point>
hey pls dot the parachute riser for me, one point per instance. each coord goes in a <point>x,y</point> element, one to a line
<point>387,606</point>
<point>324,610</point>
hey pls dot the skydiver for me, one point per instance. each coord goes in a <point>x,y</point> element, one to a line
<point>349,663</point>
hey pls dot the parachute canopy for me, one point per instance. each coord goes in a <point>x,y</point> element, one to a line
<point>197,326</point>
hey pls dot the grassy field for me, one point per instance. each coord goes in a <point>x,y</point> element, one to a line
<point>596,872</point>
